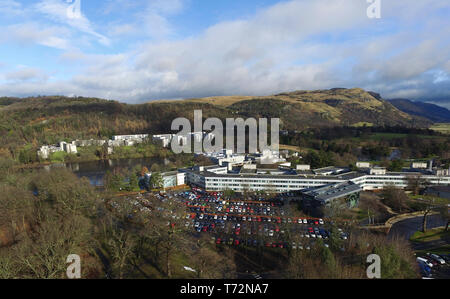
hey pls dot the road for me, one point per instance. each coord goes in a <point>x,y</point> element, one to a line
<point>408,227</point>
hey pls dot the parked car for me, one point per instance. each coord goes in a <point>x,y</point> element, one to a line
<point>436,258</point>
<point>425,261</point>
<point>424,269</point>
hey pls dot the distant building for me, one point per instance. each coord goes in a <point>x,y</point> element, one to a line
<point>419,165</point>
<point>363,164</point>
<point>378,170</point>
<point>162,140</point>
<point>46,150</point>
<point>138,137</point>
<point>303,167</point>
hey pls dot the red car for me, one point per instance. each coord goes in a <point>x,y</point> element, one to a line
<point>218,241</point>
<point>236,242</point>
<point>205,229</point>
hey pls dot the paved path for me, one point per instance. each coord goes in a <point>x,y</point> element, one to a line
<point>406,228</point>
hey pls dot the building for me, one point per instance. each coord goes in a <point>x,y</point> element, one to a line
<point>419,165</point>
<point>378,170</point>
<point>363,165</point>
<point>325,194</point>
<point>170,179</point>
<point>46,150</point>
<point>162,140</point>
<point>220,178</point>
<point>304,167</point>
<point>138,137</point>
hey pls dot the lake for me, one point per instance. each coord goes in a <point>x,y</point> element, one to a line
<point>95,170</point>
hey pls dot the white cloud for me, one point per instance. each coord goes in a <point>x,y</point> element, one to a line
<point>10,8</point>
<point>33,33</point>
<point>59,11</point>
<point>26,74</point>
<point>292,45</point>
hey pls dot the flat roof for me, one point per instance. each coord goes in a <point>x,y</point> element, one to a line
<point>333,191</point>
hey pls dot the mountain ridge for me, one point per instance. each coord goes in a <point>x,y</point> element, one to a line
<point>434,113</point>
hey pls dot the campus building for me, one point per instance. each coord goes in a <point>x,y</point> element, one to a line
<point>220,178</point>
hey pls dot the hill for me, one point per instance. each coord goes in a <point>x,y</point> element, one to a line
<point>304,109</point>
<point>429,111</point>
<point>30,122</point>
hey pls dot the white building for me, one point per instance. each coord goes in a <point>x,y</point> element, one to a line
<point>363,164</point>
<point>216,178</point>
<point>419,165</point>
<point>138,137</point>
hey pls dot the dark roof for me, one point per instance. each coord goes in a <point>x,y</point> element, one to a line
<point>332,191</point>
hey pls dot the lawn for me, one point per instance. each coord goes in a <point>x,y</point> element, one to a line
<point>441,127</point>
<point>431,235</point>
<point>427,198</point>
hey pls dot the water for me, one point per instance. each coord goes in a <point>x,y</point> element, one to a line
<point>95,171</point>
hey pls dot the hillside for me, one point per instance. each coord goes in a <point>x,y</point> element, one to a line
<point>429,111</point>
<point>303,109</point>
<point>45,120</point>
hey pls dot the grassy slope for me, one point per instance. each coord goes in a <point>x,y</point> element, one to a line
<point>46,120</point>
<point>323,107</point>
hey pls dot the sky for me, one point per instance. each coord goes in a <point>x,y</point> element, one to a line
<point>143,50</point>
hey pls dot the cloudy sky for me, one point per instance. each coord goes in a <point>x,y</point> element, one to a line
<point>141,50</point>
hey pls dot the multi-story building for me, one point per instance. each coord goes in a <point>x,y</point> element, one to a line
<point>216,178</point>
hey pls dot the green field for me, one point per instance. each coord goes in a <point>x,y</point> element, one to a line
<point>442,127</point>
<point>431,235</point>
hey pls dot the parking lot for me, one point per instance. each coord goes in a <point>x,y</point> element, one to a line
<point>254,221</point>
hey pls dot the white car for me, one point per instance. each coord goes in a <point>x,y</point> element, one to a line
<point>225,217</point>
<point>437,258</point>
<point>197,224</point>
<point>201,217</point>
<point>321,221</point>
<point>305,221</point>
<point>425,261</point>
<point>271,233</point>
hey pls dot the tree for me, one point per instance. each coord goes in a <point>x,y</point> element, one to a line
<point>416,183</point>
<point>156,181</point>
<point>396,165</point>
<point>395,198</point>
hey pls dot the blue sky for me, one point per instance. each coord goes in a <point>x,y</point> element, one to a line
<point>142,50</point>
